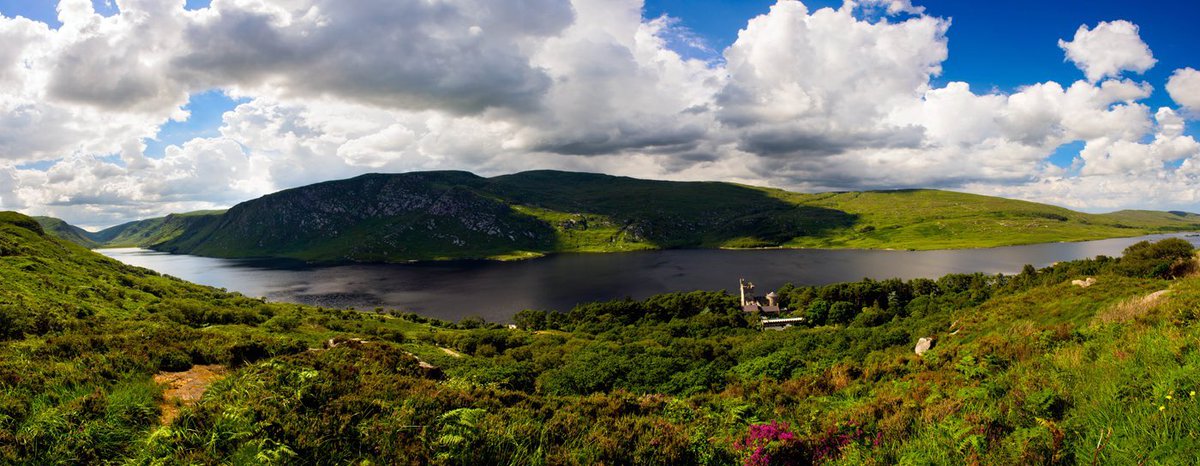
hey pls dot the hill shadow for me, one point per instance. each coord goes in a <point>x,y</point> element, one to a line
<point>674,214</point>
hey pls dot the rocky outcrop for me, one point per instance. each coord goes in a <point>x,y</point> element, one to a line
<point>1084,283</point>
<point>923,345</point>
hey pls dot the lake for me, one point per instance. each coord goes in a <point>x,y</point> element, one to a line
<point>497,290</point>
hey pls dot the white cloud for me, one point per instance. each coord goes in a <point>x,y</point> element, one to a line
<point>118,63</point>
<point>461,56</point>
<point>1109,49</point>
<point>8,189</point>
<point>817,84</point>
<point>833,98</point>
<point>1107,156</point>
<point>618,87</point>
<point>1184,88</point>
<point>86,88</point>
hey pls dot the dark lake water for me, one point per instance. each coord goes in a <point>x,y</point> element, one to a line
<point>497,290</point>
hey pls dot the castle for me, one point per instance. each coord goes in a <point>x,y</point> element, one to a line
<point>751,303</point>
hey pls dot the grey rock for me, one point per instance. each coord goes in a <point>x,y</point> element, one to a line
<point>923,345</point>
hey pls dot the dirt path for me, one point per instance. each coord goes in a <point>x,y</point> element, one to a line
<point>185,388</point>
<point>451,352</point>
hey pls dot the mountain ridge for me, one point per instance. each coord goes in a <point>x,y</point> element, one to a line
<point>438,215</point>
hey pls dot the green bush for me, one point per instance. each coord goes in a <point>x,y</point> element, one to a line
<point>842,312</point>
<point>1169,258</point>
<point>174,361</point>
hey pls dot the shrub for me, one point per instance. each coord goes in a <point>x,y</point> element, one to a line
<point>283,322</point>
<point>1169,258</point>
<point>174,361</point>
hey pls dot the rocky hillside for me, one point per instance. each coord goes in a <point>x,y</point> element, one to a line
<point>458,215</point>
<point>435,215</point>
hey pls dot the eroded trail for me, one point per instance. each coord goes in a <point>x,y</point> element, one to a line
<point>185,388</point>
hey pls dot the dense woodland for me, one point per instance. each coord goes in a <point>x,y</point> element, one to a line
<point>1026,369</point>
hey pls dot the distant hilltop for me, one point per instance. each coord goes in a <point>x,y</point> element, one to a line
<point>458,215</point>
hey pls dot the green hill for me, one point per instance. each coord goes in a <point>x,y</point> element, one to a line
<point>103,363</point>
<point>153,231</point>
<point>1172,219</point>
<point>930,219</point>
<point>63,230</point>
<point>455,215</point>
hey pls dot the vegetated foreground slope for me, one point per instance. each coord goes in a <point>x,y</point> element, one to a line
<point>454,215</point>
<point>1026,369</point>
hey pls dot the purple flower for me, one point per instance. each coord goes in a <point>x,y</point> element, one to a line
<point>759,440</point>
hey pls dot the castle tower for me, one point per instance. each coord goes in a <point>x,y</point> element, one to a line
<point>747,290</point>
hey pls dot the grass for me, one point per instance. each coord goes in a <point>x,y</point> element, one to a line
<point>151,231</point>
<point>929,219</point>
<point>65,231</point>
<point>586,232</point>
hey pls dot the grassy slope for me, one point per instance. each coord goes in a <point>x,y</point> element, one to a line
<point>65,231</point>
<point>1115,377</point>
<point>81,335</point>
<point>150,232</point>
<point>661,214</point>
<point>1173,219</point>
<point>1034,375</point>
<point>929,219</point>
<point>757,217</point>
<point>449,215</point>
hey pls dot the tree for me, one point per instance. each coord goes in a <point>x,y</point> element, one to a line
<point>842,312</point>
<point>817,312</point>
<point>1169,258</point>
<point>531,319</point>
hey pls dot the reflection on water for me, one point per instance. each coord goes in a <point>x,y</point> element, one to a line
<point>497,290</point>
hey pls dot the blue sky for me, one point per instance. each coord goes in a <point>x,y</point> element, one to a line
<point>44,10</point>
<point>997,46</point>
<point>204,120</point>
<point>993,45</point>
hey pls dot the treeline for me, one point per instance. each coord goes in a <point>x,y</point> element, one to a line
<point>865,303</point>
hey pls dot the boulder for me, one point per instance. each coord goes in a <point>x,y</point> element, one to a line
<point>923,345</point>
<point>343,341</point>
<point>1084,283</point>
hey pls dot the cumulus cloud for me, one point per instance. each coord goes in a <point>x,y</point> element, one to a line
<point>461,56</point>
<point>89,87</point>
<point>618,87</point>
<point>116,63</point>
<point>836,98</point>
<point>806,84</point>
<point>8,189</point>
<point>1108,50</point>
<point>1184,88</point>
<point>1114,156</point>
